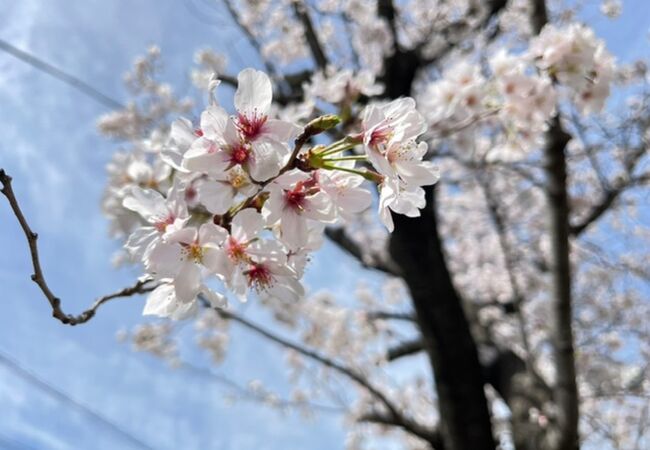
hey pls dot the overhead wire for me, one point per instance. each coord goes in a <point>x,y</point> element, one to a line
<point>60,74</point>
<point>63,397</point>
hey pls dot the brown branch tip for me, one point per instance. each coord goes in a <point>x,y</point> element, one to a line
<point>141,286</point>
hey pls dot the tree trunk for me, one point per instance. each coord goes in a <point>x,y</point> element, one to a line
<point>416,247</point>
<point>566,390</point>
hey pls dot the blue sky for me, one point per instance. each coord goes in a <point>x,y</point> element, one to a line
<point>57,160</point>
<point>51,148</point>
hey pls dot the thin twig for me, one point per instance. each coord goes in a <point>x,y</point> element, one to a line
<point>393,412</point>
<point>140,287</point>
<point>373,261</point>
<point>264,397</point>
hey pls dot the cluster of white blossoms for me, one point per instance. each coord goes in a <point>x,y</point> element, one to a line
<point>579,61</point>
<point>243,199</point>
<point>342,86</point>
<point>519,92</point>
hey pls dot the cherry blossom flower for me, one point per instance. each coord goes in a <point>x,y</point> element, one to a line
<point>181,137</point>
<point>296,197</point>
<point>401,198</point>
<point>267,137</point>
<point>252,139</point>
<point>236,251</point>
<point>345,191</point>
<point>270,276</point>
<point>403,160</point>
<point>164,302</point>
<point>163,215</point>
<point>217,141</point>
<point>181,259</point>
<point>394,121</point>
<point>337,86</point>
<point>217,193</point>
<point>578,60</point>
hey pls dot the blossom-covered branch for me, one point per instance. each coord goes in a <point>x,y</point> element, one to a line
<point>246,208</point>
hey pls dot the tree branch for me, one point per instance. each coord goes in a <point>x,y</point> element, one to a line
<point>431,436</point>
<point>389,315</point>
<point>393,412</point>
<point>263,397</point>
<point>252,40</point>
<point>405,348</point>
<point>311,36</point>
<point>347,244</point>
<point>386,9</point>
<point>539,15</point>
<point>612,193</point>
<point>140,287</point>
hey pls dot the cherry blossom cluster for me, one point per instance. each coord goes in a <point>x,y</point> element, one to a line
<point>519,92</point>
<point>578,60</point>
<point>243,199</point>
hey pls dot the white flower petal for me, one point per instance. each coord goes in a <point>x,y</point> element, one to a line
<point>148,203</point>
<point>188,282</point>
<point>247,224</point>
<point>216,196</point>
<point>254,93</point>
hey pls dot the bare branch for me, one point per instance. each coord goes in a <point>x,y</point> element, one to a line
<point>267,398</point>
<point>389,315</point>
<point>311,36</point>
<point>252,39</point>
<point>386,9</point>
<point>140,287</point>
<point>611,194</point>
<point>405,348</point>
<point>431,436</point>
<point>228,79</point>
<point>394,412</point>
<point>347,244</point>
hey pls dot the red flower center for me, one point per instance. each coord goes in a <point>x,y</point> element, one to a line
<point>190,194</point>
<point>250,126</point>
<point>259,276</point>
<point>239,155</point>
<point>236,251</point>
<point>295,198</point>
<point>162,225</point>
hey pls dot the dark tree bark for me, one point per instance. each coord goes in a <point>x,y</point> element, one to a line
<point>565,435</point>
<point>566,390</point>
<point>416,246</point>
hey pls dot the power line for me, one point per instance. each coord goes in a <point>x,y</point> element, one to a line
<point>9,443</point>
<point>59,74</point>
<point>65,398</point>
